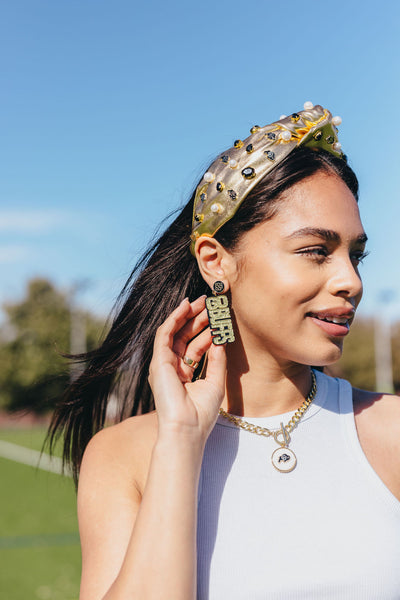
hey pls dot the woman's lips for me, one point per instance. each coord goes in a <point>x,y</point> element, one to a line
<point>339,328</point>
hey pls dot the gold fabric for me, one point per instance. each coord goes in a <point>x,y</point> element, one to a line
<point>235,172</point>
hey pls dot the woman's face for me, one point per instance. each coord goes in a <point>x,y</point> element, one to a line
<point>296,283</point>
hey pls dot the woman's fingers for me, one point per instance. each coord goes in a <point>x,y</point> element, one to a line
<point>194,352</point>
<point>216,367</point>
<point>173,323</point>
<point>178,318</point>
<point>193,327</point>
<point>185,335</point>
<point>190,331</point>
<point>165,349</point>
<point>165,334</point>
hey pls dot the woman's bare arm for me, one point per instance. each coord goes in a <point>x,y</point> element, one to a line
<point>138,530</point>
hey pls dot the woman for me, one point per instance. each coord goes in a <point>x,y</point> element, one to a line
<point>186,502</point>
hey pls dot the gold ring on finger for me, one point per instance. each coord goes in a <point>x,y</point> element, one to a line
<point>193,364</point>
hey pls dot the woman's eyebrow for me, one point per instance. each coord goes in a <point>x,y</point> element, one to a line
<point>326,234</point>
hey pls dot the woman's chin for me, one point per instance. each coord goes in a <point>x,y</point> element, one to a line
<point>329,357</point>
<point>324,355</point>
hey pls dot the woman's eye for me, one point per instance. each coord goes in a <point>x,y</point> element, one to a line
<point>358,257</point>
<point>318,252</point>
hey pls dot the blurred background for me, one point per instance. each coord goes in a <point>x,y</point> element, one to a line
<point>110,112</point>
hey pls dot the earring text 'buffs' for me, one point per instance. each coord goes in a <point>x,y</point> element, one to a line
<point>219,316</point>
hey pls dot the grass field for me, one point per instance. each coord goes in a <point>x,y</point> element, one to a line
<point>39,544</point>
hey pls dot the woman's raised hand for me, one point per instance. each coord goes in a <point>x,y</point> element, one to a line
<point>183,405</point>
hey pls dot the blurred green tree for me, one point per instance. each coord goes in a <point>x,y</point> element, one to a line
<point>357,364</point>
<point>32,341</point>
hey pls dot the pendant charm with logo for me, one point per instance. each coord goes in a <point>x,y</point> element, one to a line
<point>284,459</point>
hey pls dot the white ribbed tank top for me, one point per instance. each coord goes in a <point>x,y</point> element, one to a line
<point>328,530</point>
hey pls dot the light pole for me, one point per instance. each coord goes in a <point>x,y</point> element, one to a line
<point>383,346</point>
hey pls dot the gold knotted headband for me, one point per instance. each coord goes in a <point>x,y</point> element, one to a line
<point>235,172</point>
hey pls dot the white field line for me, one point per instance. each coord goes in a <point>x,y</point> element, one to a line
<point>33,458</point>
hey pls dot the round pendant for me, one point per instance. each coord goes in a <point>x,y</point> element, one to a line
<point>284,460</point>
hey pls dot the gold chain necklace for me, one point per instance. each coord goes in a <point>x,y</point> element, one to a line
<point>283,459</point>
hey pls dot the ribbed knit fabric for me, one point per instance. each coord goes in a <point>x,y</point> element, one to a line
<point>329,530</point>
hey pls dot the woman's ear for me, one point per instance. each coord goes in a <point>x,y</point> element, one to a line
<point>215,263</point>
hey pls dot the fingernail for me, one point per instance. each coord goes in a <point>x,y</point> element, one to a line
<point>184,300</point>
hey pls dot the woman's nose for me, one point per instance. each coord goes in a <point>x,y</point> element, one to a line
<point>345,280</point>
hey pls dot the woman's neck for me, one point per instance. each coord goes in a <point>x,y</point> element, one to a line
<point>263,387</point>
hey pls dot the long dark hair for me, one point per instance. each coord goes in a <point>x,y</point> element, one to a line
<point>164,275</point>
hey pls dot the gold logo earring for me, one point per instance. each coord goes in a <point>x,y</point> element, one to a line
<point>219,316</point>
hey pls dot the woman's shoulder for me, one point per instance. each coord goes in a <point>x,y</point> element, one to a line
<point>379,411</point>
<point>130,435</point>
<point>377,417</point>
<point>382,405</point>
<point>125,447</point>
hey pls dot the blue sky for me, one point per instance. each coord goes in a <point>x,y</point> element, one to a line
<point>111,110</point>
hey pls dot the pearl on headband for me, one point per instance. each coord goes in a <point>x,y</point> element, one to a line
<point>286,135</point>
<point>337,120</point>
<point>209,177</point>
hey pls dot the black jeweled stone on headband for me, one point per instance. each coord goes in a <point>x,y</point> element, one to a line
<point>248,173</point>
<point>270,154</point>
